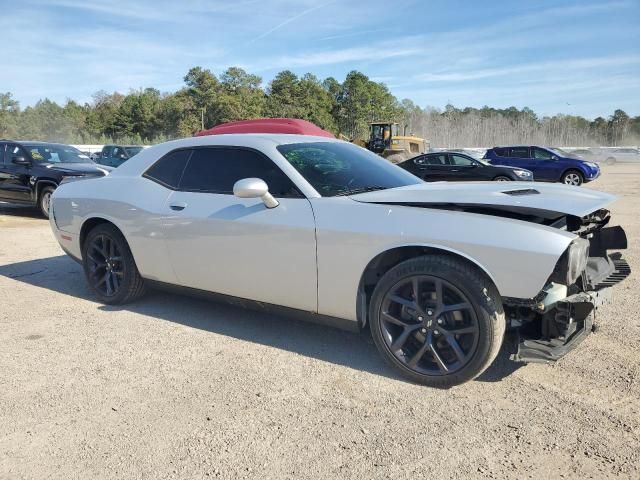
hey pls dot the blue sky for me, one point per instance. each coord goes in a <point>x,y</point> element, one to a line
<point>576,57</point>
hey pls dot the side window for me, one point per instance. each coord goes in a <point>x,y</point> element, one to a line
<point>216,170</point>
<point>461,161</point>
<point>168,170</point>
<point>106,152</point>
<point>500,152</point>
<point>440,159</point>
<point>421,160</point>
<point>541,154</point>
<point>15,151</point>
<point>519,152</point>
<point>116,152</point>
<point>2,147</point>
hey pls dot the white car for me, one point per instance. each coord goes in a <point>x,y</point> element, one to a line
<point>437,271</point>
<point>622,155</point>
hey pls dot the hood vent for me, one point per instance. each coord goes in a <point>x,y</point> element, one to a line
<point>525,191</point>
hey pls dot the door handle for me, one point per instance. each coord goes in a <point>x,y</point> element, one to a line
<point>178,206</point>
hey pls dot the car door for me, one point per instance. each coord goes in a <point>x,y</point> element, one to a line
<point>520,157</point>
<point>464,168</point>
<point>548,166</point>
<point>238,246</point>
<point>105,156</point>
<point>433,167</point>
<point>15,179</point>
<point>118,156</point>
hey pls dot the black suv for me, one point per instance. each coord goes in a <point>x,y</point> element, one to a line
<point>31,171</point>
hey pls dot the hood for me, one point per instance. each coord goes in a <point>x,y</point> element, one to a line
<point>79,168</point>
<point>545,200</point>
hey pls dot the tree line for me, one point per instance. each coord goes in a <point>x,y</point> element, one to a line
<point>345,108</point>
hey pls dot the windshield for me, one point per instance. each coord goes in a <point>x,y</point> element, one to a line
<point>340,168</point>
<point>51,153</point>
<point>131,151</point>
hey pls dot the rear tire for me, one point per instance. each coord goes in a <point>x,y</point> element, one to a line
<point>572,177</point>
<point>44,201</point>
<point>450,334</point>
<point>109,266</point>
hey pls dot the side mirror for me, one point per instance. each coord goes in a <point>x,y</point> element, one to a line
<point>20,160</point>
<point>254,188</point>
<point>554,158</point>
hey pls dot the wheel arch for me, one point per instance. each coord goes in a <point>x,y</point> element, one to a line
<point>572,169</point>
<point>389,258</point>
<point>41,183</point>
<point>89,224</point>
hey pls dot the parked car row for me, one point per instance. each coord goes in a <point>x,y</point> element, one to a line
<point>610,156</point>
<point>511,163</point>
<point>31,171</point>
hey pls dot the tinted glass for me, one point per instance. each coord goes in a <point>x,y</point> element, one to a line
<point>461,161</point>
<point>216,170</point>
<point>106,152</point>
<point>2,147</point>
<point>519,152</point>
<point>500,152</point>
<point>338,168</point>
<point>541,154</point>
<point>168,170</point>
<point>440,159</point>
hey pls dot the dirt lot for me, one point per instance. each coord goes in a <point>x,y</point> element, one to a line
<point>174,387</point>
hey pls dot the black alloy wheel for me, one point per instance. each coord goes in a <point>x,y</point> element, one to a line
<point>437,319</point>
<point>109,266</point>
<point>105,265</point>
<point>429,325</point>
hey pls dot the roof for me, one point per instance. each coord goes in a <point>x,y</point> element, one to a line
<point>123,145</point>
<point>38,142</point>
<point>268,125</point>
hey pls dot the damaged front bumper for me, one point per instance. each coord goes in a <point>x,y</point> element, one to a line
<point>564,316</point>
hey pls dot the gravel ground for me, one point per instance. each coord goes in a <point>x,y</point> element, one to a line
<point>175,387</point>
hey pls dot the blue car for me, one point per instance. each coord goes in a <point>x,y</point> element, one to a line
<point>547,164</point>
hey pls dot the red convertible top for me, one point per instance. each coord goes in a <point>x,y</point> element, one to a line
<point>268,125</point>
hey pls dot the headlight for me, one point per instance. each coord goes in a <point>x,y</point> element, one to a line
<point>592,165</point>
<point>522,173</point>
<point>577,256</point>
<point>572,263</point>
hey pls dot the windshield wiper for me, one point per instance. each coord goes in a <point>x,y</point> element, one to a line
<point>353,191</point>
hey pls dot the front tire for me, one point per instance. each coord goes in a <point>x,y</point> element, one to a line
<point>437,319</point>
<point>502,178</point>
<point>109,266</point>
<point>44,201</point>
<point>573,177</point>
